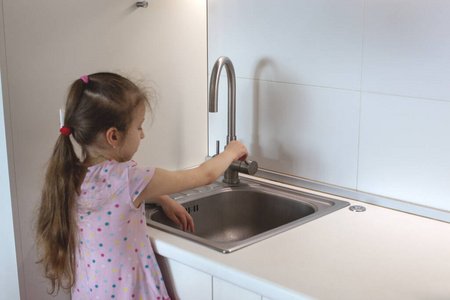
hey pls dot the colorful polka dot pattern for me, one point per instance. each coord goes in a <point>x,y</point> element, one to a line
<point>115,258</point>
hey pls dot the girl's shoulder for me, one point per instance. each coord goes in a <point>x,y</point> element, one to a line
<point>112,168</point>
<point>109,169</point>
<point>110,164</point>
<point>111,175</point>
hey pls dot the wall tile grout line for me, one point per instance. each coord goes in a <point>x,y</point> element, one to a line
<point>360,95</point>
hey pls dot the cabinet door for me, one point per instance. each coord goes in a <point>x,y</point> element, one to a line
<point>185,283</point>
<point>223,290</point>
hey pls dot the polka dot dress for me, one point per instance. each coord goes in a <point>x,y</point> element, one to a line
<point>115,259</point>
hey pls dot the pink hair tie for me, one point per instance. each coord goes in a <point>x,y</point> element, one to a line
<point>65,130</point>
<point>84,78</point>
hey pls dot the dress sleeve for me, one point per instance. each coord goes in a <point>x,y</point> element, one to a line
<point>138,178</point>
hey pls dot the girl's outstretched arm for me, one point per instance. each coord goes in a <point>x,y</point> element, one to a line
<point>166,182</point>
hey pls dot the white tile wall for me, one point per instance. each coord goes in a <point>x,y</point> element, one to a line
<point>404,149</point>
<point>406,48</point>
<point>350,93</point>
<point>304,130</point>
<point>308,42</point>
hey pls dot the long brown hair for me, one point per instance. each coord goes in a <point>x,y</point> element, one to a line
<point>106,100</point>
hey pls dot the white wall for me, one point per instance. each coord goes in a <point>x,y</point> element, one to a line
<point>51,43</point>
<point>9,275</point>
<point>351,93</point>
<point>9,280</point>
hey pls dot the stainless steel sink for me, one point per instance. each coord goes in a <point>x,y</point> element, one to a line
<point>228,218</point>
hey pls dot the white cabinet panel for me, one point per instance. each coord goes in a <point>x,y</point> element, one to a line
<point>223,290</point>
<point>51,43</point>
<point>185,283</point>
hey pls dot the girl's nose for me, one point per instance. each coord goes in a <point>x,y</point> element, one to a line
<point>142,134</point>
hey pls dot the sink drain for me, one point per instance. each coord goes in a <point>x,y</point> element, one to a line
<point>357,208</point>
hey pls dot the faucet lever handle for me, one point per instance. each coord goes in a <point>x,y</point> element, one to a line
<point>248,167</point>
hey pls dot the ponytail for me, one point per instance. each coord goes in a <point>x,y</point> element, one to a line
<point>56,224</point>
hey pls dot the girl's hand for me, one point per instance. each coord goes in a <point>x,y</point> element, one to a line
<point>176,213</point>
<point>238,149</point>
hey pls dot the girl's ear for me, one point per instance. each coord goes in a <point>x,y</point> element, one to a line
<point>113,137</point>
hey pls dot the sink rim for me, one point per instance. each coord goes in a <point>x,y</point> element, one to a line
<point>321,204</point>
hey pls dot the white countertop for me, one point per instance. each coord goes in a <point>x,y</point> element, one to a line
<point>376,254</point>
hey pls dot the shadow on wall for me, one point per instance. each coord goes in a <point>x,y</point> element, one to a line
<point>278,120</point>
<point>262,64</point>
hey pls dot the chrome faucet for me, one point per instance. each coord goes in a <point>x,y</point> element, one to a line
<point>249,167</point>
<point>214,93</point>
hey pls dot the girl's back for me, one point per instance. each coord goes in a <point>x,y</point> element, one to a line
<point>115,256</point>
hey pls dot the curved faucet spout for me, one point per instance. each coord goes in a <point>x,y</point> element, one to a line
<point>214,91</point>
<point>231,175</point>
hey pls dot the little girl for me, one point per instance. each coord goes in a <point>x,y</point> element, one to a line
<point>91,226</point>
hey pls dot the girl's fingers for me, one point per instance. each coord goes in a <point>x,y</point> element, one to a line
<point>190,223</point>
<point>175,219</point>
<point>184,222</point>
<point>187,221</point>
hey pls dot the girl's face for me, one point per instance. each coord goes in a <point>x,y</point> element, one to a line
<point>134,135</point>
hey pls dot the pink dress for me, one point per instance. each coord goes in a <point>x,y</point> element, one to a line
<point>115,258</point>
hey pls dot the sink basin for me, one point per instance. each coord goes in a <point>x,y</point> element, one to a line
<point>228,218</point>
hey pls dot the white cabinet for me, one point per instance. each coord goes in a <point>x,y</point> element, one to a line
<point>223,290</point>
<point>186,283</point>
